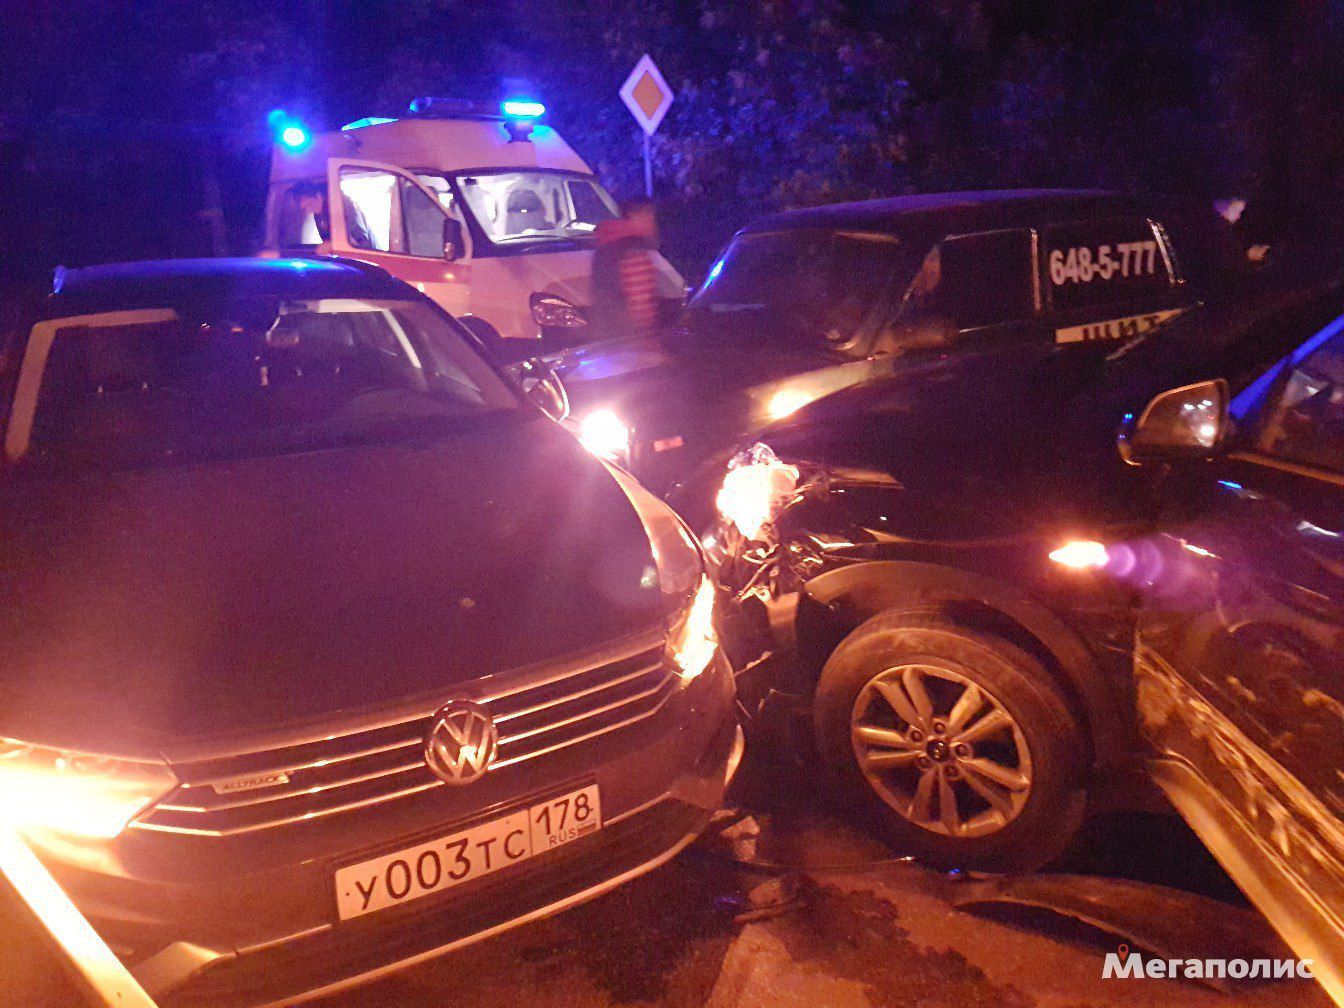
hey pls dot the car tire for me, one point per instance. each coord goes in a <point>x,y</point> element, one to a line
<point>1010,753</point>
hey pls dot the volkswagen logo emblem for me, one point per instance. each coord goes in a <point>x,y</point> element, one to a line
<point>461,743</point>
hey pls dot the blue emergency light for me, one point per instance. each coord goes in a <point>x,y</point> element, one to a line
<point>522,108</point>
<point>291,134</point>
<point>294,137</point>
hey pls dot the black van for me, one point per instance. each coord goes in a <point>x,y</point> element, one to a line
<point>807,302</point>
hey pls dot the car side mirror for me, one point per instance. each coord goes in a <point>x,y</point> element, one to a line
<point>544,387</point>
<point>453,243</point>
<point>1189,424</point>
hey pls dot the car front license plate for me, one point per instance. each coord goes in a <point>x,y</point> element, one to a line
<point>460,857</point>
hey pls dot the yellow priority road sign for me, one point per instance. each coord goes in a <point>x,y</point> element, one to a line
<point>647,95</point>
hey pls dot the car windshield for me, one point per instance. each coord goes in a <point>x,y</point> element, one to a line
<point>815,283</point>
<point>527,207</point>
<point>258,377</point>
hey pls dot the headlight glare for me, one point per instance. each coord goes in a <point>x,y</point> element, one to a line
<point>785,402</point>
<point>93,797</point>
<point>687,591</point>
<point>694,641</point>
<point>603,434</point>
<point>754,487</point>
<point>1081,554</point>
<point>552,312</point>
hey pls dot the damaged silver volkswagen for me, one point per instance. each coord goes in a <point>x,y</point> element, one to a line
<point>324,650</point>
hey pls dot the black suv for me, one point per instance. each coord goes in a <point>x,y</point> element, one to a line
<point>910,561</point>
<point>804,303</point>
<point>324,651</point>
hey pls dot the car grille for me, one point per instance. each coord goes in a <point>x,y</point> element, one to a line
<point>351,948</point>
<point>387,762</point>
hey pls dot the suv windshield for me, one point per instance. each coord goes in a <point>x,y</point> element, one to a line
<point>257,378</point>
<point>523,207</point>
<point>817,284</point>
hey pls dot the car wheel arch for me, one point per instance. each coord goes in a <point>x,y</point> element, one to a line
<point>838,601</point>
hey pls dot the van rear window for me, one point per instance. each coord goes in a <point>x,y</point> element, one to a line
<point>1102,262</point>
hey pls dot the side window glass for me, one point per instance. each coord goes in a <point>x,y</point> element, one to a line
<point>98,379</point>
<point>590,209</point>
<point>424,222</point>
<point>387,212</point>
<point>301,215</point>
<point>983,279</point>
<point>922,294</point>
<point>1303,419</point>
<point>372,210</point>
<point>1102,262</point>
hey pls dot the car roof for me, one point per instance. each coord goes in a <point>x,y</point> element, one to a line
<point>939,214</point>
<point>163,283</point>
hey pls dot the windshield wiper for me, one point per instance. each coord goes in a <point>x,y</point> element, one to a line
<point>541,236</point>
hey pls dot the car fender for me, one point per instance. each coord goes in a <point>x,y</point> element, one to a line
<point>836,602</point>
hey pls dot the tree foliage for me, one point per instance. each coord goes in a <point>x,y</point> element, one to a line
<point>116,116</point>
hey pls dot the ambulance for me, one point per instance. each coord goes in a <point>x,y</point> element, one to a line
<point>482,207</point>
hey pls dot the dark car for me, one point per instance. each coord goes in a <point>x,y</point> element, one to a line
<point>810,301</point>
<point>906,557</point>
<point>1239,653</point>
<point>323,650</point>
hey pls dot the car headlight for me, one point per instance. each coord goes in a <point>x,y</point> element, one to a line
<point>552,312</point>
<point>753,489</point>
<point>692,639</point>
<point>603,434</point>
<point>1081,555</point>
<point>786,402</point>
<point>94,797</point>
<point>692,644</point>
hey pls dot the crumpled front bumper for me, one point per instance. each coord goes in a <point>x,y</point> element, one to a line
<point>758,630</point>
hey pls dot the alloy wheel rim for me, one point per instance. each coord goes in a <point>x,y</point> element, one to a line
<point>941,751</point>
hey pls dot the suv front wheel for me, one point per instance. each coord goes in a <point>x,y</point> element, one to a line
<point>958,742</point>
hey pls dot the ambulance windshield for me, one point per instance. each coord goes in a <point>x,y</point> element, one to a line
<point>535,207</point>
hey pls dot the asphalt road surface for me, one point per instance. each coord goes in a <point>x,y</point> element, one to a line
<point>850,925</point>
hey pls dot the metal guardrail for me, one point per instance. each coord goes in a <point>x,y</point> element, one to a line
<point>95,969</point>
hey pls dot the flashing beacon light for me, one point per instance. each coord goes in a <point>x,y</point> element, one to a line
<point>522,108</point>
<point>290,133</point>
<point>520,117</point>
<point>293,137</point>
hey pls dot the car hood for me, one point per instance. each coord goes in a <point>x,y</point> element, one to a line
<point>659,390</point>
<point>931,504</point>
<point>151,609</point>
<point>946,459</point>
<point>568,274</point>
